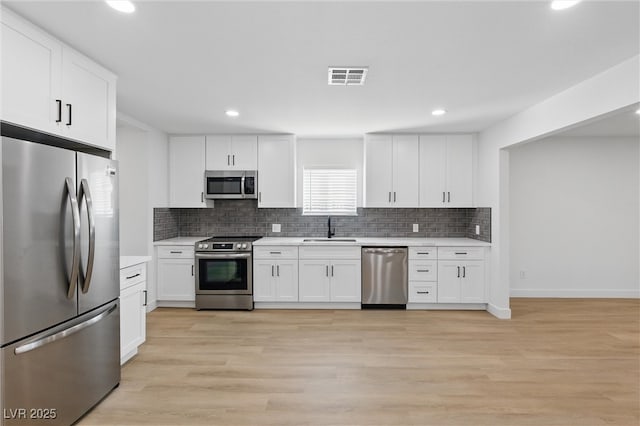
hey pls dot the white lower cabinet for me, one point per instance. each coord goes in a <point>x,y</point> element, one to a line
<point>176,281</point>
<point>275,274</point>
<point>133,302</point>
<point>275,280</point>
<point>461,274</point>
<point>330,275</point>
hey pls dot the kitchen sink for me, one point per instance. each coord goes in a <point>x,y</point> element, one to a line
<point>329,240</point>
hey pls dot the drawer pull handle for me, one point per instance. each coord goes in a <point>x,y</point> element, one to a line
<point>461,252</point>
<point>133,276</point>
<point>275,252</point>
<point>423,252</point>
<point>175,252</point>
<point>423,292</point>
<point>423,270</point>
<point>145,297</point>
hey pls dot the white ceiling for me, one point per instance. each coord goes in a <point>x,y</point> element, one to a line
<point>182,64</point>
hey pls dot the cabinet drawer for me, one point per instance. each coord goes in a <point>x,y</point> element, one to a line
<point>275,252</point>
<point>423,270</point>
<point>133,275</point>
<point>423,252</point>
<point>175,252</point>
<point>423,292</point>
<point>453,253</point>
<point>333,252</point>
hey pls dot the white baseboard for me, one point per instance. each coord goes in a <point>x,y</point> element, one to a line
<point>151,306</point>
<point>175,304</point>
<point>305,305</point>
<point>576,293</point>
<point>499,312</point>
<point>447,306</point>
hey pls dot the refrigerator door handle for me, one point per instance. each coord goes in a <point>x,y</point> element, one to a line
<point>50,338</point>
<point>86,194</point>
<point>75,214</point>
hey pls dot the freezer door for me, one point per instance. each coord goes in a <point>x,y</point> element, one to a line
<point>99,280</point>
<point>53,378</point>
<point>38,202</point>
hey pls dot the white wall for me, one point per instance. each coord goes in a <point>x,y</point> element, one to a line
<point>605,93</point>
<point>131,146</point>
<point>143,153</point>
<point>574,218</point>
<point>330,152</point>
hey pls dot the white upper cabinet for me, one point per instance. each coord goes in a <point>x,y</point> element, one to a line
<point>446,171</point>
<point>51,88</point>
<point>391,171</point>
<point>89,93</point>
<point>31,75</point>
<point>186,171</point>
<point>232,152</point>
<point>276,171</point>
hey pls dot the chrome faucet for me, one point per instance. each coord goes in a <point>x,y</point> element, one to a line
<point>329,232</point>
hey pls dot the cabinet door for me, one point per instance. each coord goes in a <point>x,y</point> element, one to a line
<point>175,280</point>
<point>449,274</point>
<point>433,153</point>
<point>378,171</point>
<point>244,152</point>
<point>345,281</point>
<point>405,171</point>
<point>264,289</point>
<point>186,171</point>
<point>89,101</point>
<point>459,175</point>
<point>132,318</point>
<point>472,283</point>
<point>31,75</point>
<point>218,152</point>
<point>276,171</point>
<point>314,281</point>
<point>287,281</point>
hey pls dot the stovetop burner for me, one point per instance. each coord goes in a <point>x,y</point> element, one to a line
<point>222,244</point>
<point>241,239</point>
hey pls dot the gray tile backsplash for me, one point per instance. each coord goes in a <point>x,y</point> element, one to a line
<point>243,217</point>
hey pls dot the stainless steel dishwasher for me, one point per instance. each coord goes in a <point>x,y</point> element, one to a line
<point>384,277</point>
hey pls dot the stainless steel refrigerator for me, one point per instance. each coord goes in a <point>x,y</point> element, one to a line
<point>59,306</point>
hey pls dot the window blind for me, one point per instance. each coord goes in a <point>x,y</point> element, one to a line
<point>329,192</point>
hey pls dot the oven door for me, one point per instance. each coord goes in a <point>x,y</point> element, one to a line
<point>224,273</point>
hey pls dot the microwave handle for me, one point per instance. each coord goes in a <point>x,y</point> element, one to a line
<point>242,185</point>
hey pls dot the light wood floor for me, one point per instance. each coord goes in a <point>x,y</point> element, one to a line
<point>557,362</point>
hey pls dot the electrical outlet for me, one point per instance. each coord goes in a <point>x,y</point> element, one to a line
<point>275,227</point>
<point>416,227</point>
<point>477,229</point>
<point>523,275</point>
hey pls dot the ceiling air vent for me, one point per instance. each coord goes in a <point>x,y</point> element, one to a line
<point>347,76</point>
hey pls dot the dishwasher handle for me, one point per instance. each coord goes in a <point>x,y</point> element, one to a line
<point>384,250</point>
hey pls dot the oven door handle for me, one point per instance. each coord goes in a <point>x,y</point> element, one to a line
<point>223,256</point>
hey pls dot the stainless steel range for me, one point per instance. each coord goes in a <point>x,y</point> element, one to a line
<point>224,274</point>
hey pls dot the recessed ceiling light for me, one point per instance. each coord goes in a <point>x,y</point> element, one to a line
<point>124,6</point>
<point>563,4</point>
<point>437,112</point>
<point>232,113</point>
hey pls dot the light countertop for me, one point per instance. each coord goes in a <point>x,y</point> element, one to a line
<point>126,261</point>
<point>179,241</point>
<point>362,241</point>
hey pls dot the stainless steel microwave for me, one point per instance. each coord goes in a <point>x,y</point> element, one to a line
<point>230,184</point>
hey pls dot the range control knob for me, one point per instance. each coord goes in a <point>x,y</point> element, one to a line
<point>244,245</point>
<point>200,246</point>
<point>238,245</point>
<point>206,246</point>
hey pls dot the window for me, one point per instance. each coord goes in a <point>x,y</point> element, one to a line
<point>329,192</point>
